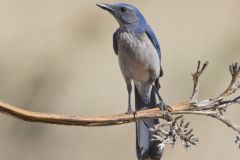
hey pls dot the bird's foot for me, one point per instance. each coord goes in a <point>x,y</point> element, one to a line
<point>130,110</point>
<point>164,107</point>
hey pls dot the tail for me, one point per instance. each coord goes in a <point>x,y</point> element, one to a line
<point>145,148</point>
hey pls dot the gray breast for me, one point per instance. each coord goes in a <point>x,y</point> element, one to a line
<point>138,58</point>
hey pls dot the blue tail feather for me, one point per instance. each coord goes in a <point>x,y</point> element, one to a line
<point>146,148</point>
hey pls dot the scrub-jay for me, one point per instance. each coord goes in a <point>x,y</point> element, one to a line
<point>139,56</point>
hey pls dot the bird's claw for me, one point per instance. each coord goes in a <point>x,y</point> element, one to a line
<point>164,107</point>
<point>167,116</point>
<point>130,111</point>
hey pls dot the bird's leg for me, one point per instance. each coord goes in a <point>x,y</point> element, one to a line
<point>129,88</point>
<point>161,104</point>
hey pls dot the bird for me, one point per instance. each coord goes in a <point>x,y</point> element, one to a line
<point>139,57</point>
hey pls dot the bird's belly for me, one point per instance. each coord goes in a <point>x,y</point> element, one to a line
<point>133,68</point>
<point>138,60</point>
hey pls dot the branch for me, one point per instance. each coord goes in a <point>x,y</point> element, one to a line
<point>196,77</point>
<point>192,107</point>
<point>214,114</point>
<point>235,82</point>
<point>78,120</point>
<point>213,107</point>
<point>165,133</point>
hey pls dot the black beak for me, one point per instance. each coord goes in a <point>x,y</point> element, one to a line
<point>106,7</point>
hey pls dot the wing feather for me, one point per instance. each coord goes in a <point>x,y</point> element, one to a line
<point>156,44</point>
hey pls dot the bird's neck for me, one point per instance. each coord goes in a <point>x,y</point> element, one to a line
<point>132,28</point>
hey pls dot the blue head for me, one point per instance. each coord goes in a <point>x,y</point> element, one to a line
<point>126,15</point>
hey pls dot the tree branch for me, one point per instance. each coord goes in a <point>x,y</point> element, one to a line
<point>196,77</point>
<point>210,107</point>
<point>164,133</point>
<point>79,120</point>
<point>213,107</point>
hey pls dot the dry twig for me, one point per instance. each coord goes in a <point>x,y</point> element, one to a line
<point>168,133</point>
<point>212,107</point>
<point>196,77</point>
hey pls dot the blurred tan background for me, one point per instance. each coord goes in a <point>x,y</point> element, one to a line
<point>57,56</point>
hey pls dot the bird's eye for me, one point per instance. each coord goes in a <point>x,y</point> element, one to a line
<point>123,9</point>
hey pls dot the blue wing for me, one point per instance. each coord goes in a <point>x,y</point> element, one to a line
<point>154,40</point>
<point>155,43</point>
<point>115,44</point>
